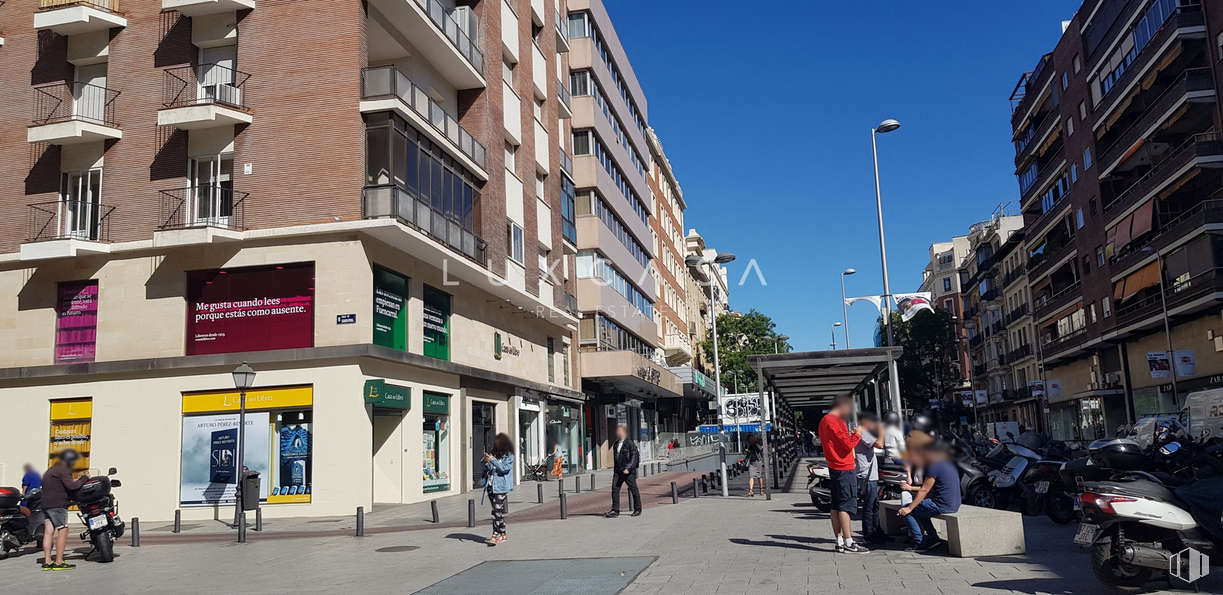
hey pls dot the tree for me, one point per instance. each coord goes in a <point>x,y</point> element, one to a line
<point>741,335</point>
<point>930,365</point>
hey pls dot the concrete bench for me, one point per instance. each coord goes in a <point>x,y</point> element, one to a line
<point>970,532</point>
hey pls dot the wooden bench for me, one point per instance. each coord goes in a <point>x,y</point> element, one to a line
<point>971,532</point>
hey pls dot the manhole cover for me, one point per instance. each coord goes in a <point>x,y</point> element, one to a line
<point>397,548</point>
<point>573,576</point>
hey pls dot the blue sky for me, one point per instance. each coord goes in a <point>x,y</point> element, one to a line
<point>765,111</point>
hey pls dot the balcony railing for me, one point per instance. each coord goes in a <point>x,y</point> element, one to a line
<point>1020,352</point>
<point>1064,343</point>
<point>1016,274</point>
<point>203,206</point>
<point>1046,303</point>
<point>1197,79</point>
<point>447,25</point>
<point>65,102</point>
<point>1038,130</point>
<point>566,97</point>
<point>1207,211</point>
<point>566,163</point>
<point>379,82</point>
<point>203,84</point>
<point>1016,314</point>
<point>1039,264</point>
<point>1160,21</point>
<point>109,5</point>
<point>1204,283</point>
<point>68,219</point>
<point>1200,145</point>
<point>395,202</point>
<point>1029,183</point>
<point>1028,84</point>
<point>571,304</point>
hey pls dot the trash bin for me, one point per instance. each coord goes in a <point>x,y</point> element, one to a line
<point>249,490</point>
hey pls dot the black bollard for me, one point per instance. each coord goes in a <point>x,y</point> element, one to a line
<point>695,492</point>
<point>644,470</point>
<point>471,512</point>
<point>433,507</point>
<point>135,532</point>
<point>560,487</point>
<point>259,518</point>
<point>360,521</point>
<point>242,528</point>
<point>674,493</point>
<point>178,521</point>
<point>541,492</point>
<point>592,482</point>
<point>577,484</point>
<point>704,487</point>
<point>564,507</point>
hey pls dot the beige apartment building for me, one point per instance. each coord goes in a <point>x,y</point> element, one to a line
<point>387,237</point>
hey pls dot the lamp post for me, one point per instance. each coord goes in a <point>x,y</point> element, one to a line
<point>244,379</point>
<point>844,306</point>
<point>696,261</point>
<point>777,341</point>
<point>893,375</point>
<point>1163,301</point>
<point>834,335</point>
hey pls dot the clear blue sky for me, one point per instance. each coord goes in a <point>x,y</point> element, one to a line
<point>765,112</point>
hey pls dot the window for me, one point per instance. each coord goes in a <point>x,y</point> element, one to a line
<point>551,359</point>
<point>1069,126</point>
<point>1086,264</point>
<point>592,265</point>
<point>947,284</point>
<point>1104,308</point>
<point>1074,173</point>
<point>507,73</point>
<point>514,241</point>
<point>1099,257</point>
<point>1091,207</point>
<point>569,229</point>
<point>537,108</point>
<point>80,215</point>
<point>543,263</point>
<point>510,150</point>
<point>1091,314</point>
<point>565,362</point>
<point>539,185</point>
<point>1065,81</point>
<point>1082,110</point>
<point>1087,160</point>
<point>1078,218</point>
<point>1078,63</point>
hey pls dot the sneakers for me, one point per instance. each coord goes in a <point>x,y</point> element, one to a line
<point>636,513</point>
<point>63,566</point>
<point>48,566</point>
<point>611,514</point>
<point>928,544</point>
<point>852,548</point>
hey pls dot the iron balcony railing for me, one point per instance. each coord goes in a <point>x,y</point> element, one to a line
<point>390,201</point>
<point>1200,145</point>
<point>1196,79</point>
<point>1016,314</point>
<point>378,82</point>
<point>109,5</point>
<point>1203,283</point>
<point>65,102</point>
<point>1057,345</point>
<point>1161,20</point>
<point>203,206</point>
<point>1014,275</point>
<point>1207,211</point>
<point>68,219</point>
<point>1047,302</point>
<point>203,84</point>
<point>1020,352</point>
<point>451,29</point>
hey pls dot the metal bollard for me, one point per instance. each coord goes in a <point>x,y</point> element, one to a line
<point>645,470</point>
<point>674,493</point>
<point>695,492</point>
<point>135,532</point>
<point>178,521</point>
<point>541,492</point>
<point>592,482</point>
<point>704,487</point>
<point>564,507</point>
<point>560,487</point>
<point>471,512</point>
<point>433,507</point>
<point>360,521</point>
<point>577,484</point>
<point>242,528</point>
<point>259,518</point>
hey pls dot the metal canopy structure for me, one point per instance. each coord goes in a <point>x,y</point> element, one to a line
<point>813,378</point>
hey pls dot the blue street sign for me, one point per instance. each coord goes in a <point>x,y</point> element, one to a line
<point>746,428</point>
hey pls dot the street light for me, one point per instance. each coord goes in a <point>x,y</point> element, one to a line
<point>834,335</point>
<point>1163,300</point>
<point>697,262</point>
<point>844,306</point>
<point>777,341</point>
<point>893,375</point>
<point>244,379</point>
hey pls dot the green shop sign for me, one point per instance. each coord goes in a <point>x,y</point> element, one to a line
<point>380,394</point>
<point>435,403</point>
<point>390,309</point>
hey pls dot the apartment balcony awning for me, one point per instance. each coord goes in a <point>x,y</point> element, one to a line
<point>814,378</point>
<point>630,373</point>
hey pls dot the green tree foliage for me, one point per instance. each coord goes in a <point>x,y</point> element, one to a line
<point>930,364</point>
<point>741,335</point>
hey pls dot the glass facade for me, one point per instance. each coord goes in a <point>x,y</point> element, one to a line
<point>565,435</point>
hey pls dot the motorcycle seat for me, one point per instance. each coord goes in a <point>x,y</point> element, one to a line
<point>1140,488</point>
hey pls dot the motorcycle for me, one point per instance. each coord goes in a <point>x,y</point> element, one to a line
<point>975,486</point>
<point>100,513</point>
<point>819,486</point>
<point>16,529</point>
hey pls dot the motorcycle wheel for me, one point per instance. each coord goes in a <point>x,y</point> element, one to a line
<point>1060,509</point>
<point>821,505</point>
<point>983,496</point>
<point>1115,575</point>
<point>105,545</point>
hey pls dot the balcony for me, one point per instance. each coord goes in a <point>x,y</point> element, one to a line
<point>70,17</point>
<point>1062,345</point>
<point>1028,142</point>
<point>1195,218</point>
<point>66,228</point>
<point>203,206</point>
<point>566,103</point>
<point>195,8</point>
<point>204,96</point>
<point>385,88</point>
<point>571,304</point>
<point>1016,314</point>
<point>442,36</point>
<point>1046,304</point>
<point>1202,150</point>
<point>1040,264</point>
<point>1016,274</point>
<point>70,113</point>
<point>1039,178</point>
<point>1026,90</point>
<point>1193,288</point>
<point>1020,352</point>
<point>389,201</point>
<point>1163,23</point>
<point>1194,86</point>
<point>562,39</point>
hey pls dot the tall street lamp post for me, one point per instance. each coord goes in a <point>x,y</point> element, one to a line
<point>834,335</point>
<point>777,341</point>
<point>244,379</point>
<point>1163,301</point>
<point>893,375</point>
<point>844,306</point>
<point>708,263</point>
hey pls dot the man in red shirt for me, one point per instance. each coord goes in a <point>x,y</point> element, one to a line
<point>839,445</point>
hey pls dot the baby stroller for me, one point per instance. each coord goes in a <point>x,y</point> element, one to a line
<point>538,472</point>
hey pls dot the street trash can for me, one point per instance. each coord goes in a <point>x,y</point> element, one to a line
<point>249,490</point>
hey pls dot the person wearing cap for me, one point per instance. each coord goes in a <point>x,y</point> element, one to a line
<point>57,484</point>
<point>939,492</point>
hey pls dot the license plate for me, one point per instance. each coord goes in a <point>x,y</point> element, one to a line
<point>98,522</point>
<point>1042,487</point>
<point>1087,534</point>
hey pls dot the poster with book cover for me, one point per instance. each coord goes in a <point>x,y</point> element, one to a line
<point>209,460</point>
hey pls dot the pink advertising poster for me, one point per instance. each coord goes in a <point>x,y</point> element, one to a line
<point>250,309</point>
<point>76,322</point>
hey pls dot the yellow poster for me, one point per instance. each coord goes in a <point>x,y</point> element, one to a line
<point>70,428</point>
<point>288,397</point>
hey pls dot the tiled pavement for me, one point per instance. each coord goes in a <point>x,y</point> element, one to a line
<point>706,545</point>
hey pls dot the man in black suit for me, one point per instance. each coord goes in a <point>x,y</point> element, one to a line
<point>627,459</point>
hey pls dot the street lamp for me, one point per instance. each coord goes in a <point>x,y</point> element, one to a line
<point>844,306</point>
<point>244,379</point>
<point>697,262</point>
<point>893,375</point>
<point>834,335</point>
<point>1163,300</point>
<point>777,341</point>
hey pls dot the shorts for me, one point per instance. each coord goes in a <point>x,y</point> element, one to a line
<point>844,490</point>
<point>57,516</point>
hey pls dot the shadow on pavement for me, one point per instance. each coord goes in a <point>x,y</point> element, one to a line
<point>1028,585</point>
<point>781,544</point>
<point>468,537</point>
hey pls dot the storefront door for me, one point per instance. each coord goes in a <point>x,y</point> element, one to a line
<point>483,429</point>
<point>388,457</point>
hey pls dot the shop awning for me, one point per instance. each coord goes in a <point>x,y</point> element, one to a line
<point>813,378</point>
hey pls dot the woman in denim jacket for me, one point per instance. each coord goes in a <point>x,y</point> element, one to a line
<point>499,481</point>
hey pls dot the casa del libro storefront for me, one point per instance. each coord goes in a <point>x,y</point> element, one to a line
<point>381,379</point>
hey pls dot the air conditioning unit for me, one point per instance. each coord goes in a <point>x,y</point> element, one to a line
<point>1112,380</point>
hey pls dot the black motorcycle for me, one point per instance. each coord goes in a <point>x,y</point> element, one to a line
<point>16,529</point>
<point>100,513</point>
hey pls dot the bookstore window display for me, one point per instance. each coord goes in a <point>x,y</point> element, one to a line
<point>436,443</point>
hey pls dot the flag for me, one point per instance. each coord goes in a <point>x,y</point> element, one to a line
<point>877,300</point>
<point>909,304</point>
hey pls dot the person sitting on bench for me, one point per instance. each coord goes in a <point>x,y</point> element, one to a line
<point>938,494</point>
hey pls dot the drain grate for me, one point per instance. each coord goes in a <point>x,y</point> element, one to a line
<point>397,548</point>
<point>576,576</point>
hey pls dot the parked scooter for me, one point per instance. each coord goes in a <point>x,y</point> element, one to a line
<point>100,513</point>
<point>16,529</point>
<point>819,486</point>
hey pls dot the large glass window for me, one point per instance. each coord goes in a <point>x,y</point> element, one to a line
<point>586,142</point>
<point>568,214</point>
<point>590,203</point>
<point>435,443</point>
<point>592,265</point>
